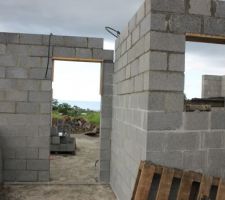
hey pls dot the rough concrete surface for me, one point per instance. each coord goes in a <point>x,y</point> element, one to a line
<point>72,177</point>
<point>79,168</point>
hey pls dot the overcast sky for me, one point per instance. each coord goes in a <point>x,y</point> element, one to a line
<point>89,17</point>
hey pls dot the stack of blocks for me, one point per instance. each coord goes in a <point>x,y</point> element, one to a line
<point>148,97</point>
<point>61,144</point>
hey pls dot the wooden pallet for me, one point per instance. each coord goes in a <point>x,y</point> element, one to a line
<point>156,182</point>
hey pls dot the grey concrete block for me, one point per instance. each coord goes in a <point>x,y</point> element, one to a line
<point>43,96</point>
<point>167,42</point>
<point>16,49</point>
<point>43,176</point>
<point>215,163</point>
<point>104,165</point>
<point>12,37</point>
<point>158,60</point>
<point>46,85</point>
<point>26,176</point>
<point>38,165</point>
<point>2,72</point>
<point>39,73</point>
<point>95,43</point>
<point>7,107</point>
<point>25,107</point>
<point>217,120</point>
<point>140,13</point>
<point>14,164</point>
<point>139,83</point>
<point>104,176</point>
<point>16,95</point>
<point>159,22</point>
<point>30,39</point>
<point>164,121</point>
<point>185,24</point>
<point>195,161</point>
<point>170,158</point>
<point>30,62</point>
<point>132,24</point>
<point>83,53</point>
<point>196,121</point>
<point>134,66</point>
<point>55,140</point>
<point>144,62</point>
<point>56,40</point>
<point>164,81</point>
<point>200,7</point>
<point>176,6</point>
<point>145,25</point>
<point>8,153</point>
<point>28,85</point>
<point>16,73</point>
<point>1,166</point>
<point>38,51</point>
<point>108,55</point>
<point>26,153</point>
<point>2,49</point>
<point>176,62</point>
<point>183,141</point>
<point>220,7</point>
<point>8,60</point>
<point>45,108</point>
<point>214,26</point>
<point>76,41</point>
<point>43,153</point>
<point>97,54</point>
<point>44,130</point>
<point>174,102</point>
<point>213,139</point>
<point>156,141</point>
<point>38,142</point>
<point>9,175</point>
<point>64,52</point>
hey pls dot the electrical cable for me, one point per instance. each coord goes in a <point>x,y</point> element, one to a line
<point>49,49</point>
<point>112,31</point>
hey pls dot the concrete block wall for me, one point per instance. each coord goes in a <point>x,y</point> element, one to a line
<point>26,96</point>
<point>148,97</point>
<point>0,167</point>
<point>213,86</point>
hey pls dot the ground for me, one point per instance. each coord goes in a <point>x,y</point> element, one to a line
<point>72,177</point>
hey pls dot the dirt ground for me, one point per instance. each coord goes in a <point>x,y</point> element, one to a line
<point>71,177</point>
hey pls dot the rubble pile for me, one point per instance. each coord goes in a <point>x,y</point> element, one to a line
<point>75,126</point>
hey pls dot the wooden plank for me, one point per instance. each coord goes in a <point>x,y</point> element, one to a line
<point>221,191</point>
<point>165,184</point>
<point>138,178</point>
<point>205,187</point>
<point>205,38</point>
<point>145,182</point>
<point>185,186</point>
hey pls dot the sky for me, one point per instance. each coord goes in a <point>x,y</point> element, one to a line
<point>88,18</point>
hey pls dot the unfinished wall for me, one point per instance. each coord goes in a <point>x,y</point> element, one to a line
<point>0,168</point>
<point>148,119</point>
<point>26,95</point>
<point>213,86</point>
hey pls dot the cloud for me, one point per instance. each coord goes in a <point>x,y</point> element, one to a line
<point>68,17</point>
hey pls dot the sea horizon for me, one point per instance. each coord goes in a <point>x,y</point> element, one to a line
<point>92,105</point>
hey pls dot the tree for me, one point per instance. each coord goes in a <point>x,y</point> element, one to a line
<point>55,104</point>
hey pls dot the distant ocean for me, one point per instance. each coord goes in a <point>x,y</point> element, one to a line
<point>92,105</point>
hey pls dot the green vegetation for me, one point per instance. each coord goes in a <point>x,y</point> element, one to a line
<point>59,111</point>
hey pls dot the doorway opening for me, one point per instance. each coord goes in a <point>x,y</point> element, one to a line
<point>204,76</point>
<point>75,122</point>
